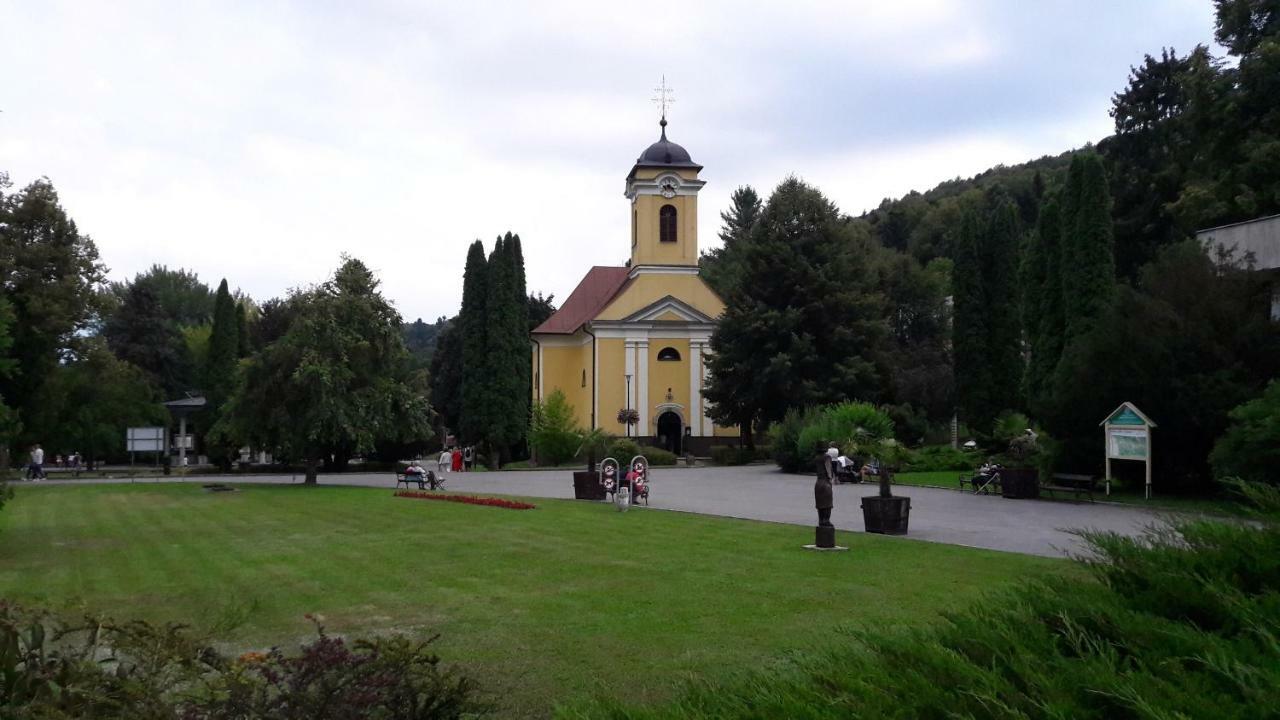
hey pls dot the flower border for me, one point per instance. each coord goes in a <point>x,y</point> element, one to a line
<point>468,500</point>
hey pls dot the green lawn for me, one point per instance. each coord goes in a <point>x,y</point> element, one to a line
<point>940,478</point>
<point>540,605</point>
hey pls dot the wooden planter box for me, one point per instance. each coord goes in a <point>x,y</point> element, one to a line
<point>586,486</point>
<point>1020,483</point>
<point>886,515</point>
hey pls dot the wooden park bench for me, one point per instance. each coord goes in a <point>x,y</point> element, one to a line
<point>1075,484</point>
<point>426,481</point>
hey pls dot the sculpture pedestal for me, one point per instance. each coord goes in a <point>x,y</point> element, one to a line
<point>824,536</point>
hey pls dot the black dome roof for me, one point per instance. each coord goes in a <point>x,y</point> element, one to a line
<point>664,152</point>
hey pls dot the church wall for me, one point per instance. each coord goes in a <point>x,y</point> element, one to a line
<point>647,289</point>
<point>562,368</point>
<point>612,384</point>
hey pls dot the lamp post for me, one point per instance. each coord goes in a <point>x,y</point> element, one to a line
<point>628,405</point>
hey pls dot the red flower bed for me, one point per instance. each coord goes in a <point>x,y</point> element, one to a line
<point>468,499</point>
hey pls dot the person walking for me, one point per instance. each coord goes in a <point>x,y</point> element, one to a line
<point>446,459</point>
<point>36,470</point>
<point>457,459</point>
<point>469,457</point>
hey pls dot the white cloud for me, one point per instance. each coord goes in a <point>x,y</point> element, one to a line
<point>259,141</point>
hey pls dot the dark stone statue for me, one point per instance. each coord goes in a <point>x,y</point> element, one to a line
<point>822,497</point>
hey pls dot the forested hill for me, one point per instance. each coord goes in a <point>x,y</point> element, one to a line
<point>922,224</point>
<point>1196,145</point>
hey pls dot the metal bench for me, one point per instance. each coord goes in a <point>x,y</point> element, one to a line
<point>1072,483</point>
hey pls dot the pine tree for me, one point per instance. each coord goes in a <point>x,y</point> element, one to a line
<point>224,349</point>
<point>721,267</point>
<point>801,326</point>
<point>1088,268</point>
<point>498,308</point>
<point>1004,329</point>
<point>446,375</point>
<point>969,327</point>
<point>473,329</point>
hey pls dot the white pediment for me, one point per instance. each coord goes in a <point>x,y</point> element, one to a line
<point>669,309</point>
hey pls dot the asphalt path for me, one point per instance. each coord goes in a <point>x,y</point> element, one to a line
<point>760,492</point>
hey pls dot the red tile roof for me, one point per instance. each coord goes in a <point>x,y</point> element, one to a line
<point>586,301</point>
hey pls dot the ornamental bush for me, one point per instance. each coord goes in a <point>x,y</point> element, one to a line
<point>848,424</point>
<point>1250,448</point>
<point>100,669</point>
<point>657,457</point>
<point>554,435</point>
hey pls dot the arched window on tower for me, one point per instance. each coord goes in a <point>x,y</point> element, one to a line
<point>668,354</point>
<point>667,223</point>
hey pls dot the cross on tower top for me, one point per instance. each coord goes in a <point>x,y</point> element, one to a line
<point>663,99</point>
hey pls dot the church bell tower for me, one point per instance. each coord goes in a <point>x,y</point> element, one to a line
<point>663,189</point>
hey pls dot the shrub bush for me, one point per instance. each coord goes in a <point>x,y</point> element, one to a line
<point>1251,446</point>
<point>847,424</point>
<point>623,449</point>
<point>784,437</point>
<point>1179,623</point>
<point>657,456</point>
<point>938,457</point>
<point>101,669</point>
<point>729,455</point>
<point>553,432</point>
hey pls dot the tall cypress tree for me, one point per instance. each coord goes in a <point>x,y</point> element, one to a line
<point>1043,313</point>
<point>498,309</point>
<point>472,325</point>
<point>242,331</point>
<point>524,367</point>
<point>224,348</point>
<point>969,327</point>
<point>1088,268</point>
<point>999,286</point>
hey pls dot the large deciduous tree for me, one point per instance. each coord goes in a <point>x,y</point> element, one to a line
<point>182,296</point>
<point>50,274</point>
<point>338,380</point>
<point>801,326</point>
<point>88,403</point>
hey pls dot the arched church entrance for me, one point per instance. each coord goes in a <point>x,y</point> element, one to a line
<point>670,431</point>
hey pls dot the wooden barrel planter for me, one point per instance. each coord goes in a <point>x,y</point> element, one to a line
<point>586,485</point>
<point>886,515</point>
<point>1020,483</point>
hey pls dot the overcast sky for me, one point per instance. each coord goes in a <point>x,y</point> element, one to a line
<point>258,141</point>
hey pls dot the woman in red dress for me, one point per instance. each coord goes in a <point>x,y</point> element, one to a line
<point>457,460</point>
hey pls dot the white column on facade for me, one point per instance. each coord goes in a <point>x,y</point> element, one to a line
<point>642,385</point>
<point>695,387</point>
<point>708,428</point>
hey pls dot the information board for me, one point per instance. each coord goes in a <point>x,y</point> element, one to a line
<point>144,439</point>
<point>1127,443</point>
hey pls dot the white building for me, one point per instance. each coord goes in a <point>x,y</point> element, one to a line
<point>1259,238</point>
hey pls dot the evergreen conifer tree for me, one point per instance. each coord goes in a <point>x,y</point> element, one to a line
<point>721,267</point>
<point>520,339</point>
<point>969,327</point>
<point>224,348</point>
<point>1044,321</point>
<point>800,326</point>
<point>472,326</point>
<point>1088,268</point>
<point>242,330</point>
<point>1004,327</point>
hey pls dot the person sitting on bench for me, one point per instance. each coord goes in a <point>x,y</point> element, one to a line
<point>415,473</point>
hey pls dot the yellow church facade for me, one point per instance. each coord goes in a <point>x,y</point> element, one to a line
<point>637,337</point>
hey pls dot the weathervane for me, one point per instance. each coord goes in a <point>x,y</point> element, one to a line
<point>663,98</point>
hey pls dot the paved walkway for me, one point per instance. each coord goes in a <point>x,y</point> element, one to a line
<point>760,492</point>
